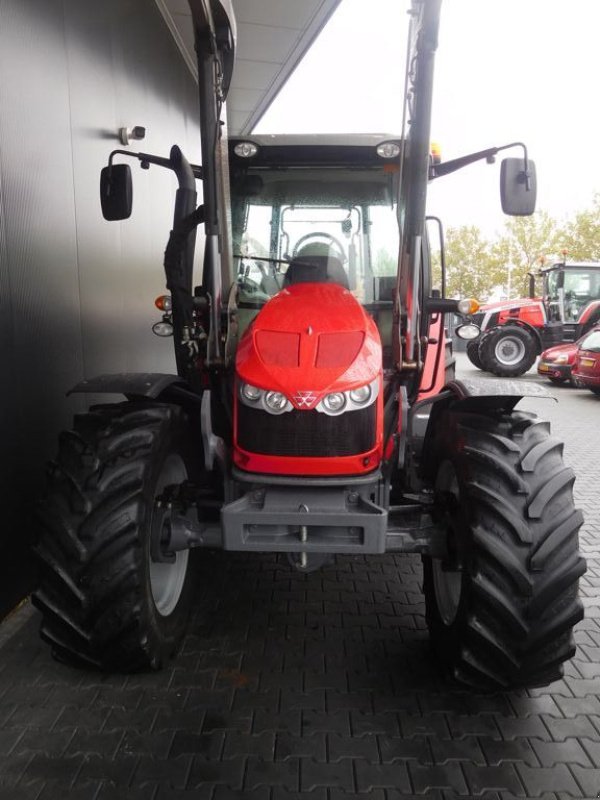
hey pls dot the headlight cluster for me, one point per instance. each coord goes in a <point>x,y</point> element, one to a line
<point>332,404</point>
<point>273,402</point>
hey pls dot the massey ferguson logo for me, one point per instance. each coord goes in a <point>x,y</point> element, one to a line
<point>304,399</point>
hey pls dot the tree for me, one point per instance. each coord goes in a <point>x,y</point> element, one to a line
<point>581,236</point>
<point>526,242</point>
<point>470,270</point>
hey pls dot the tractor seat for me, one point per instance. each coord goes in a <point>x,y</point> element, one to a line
<point>310,268</point>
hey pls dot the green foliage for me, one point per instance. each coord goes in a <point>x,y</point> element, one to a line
<point>581,236</point>
<point>385,263</point>
<point>479,268</point>
<point>469,272</point>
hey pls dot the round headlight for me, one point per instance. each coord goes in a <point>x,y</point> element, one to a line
<point>388,150</point>
<point>468,331</point>
<point>275,401</point>
<point>250,392</point>
<point>162,329</point>
<point>361,395</point>
<point>334,402</point>
<point>245,149</point>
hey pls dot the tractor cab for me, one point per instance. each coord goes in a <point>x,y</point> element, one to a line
<point>569,289</point>
<point>316,210</point>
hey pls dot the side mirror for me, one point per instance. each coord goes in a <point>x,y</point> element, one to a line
<point>116,192</point>
<point>518,188</point>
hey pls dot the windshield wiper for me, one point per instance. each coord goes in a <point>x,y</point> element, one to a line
<point>262,258</point>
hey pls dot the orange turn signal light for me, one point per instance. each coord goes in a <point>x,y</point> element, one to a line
<point>164,302</point>
<point>468,306</point>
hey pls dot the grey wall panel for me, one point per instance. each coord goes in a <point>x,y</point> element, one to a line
<point>76,292</point>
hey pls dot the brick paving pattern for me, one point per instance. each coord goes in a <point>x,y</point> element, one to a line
<point>316,686</point>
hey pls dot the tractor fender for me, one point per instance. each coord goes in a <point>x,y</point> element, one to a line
<point>521,324</point>
<point>131,384</point>
<point>479,395</point>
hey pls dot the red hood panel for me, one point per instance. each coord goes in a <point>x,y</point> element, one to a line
<point>311,337</point>
<point>505,305</point>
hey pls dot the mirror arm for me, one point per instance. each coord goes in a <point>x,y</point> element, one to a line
<point>446,167</point>
<point>147,158</point>
<point>441,305</point>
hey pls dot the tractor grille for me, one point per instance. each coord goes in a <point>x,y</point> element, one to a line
<point>306,433</point>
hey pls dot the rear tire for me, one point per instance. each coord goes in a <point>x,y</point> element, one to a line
<point>507,351</point>
<point>473,353</point>
<point>105,602</point>
<point>501,611</point>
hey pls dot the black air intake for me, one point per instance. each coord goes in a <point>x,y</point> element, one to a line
<point>306,433</point>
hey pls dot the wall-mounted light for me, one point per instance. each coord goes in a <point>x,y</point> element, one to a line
<point>127,134</point>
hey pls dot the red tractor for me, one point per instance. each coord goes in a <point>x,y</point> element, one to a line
<point>515,332</point>
<point>314,411</point>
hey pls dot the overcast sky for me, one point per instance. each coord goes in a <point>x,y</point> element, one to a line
<point>505,70</point>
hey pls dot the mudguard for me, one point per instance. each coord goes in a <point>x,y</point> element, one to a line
<point>481,395</point>
<point>131,384</point>
<point>487,393</point>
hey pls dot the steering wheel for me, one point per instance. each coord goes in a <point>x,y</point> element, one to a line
<point>321,237</point>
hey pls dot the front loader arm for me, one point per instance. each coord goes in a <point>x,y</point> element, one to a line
<point>214,32</point>
<point>423,37</point>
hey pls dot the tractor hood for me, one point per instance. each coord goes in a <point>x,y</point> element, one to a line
<point>506,305</point>
<point>309,340</point>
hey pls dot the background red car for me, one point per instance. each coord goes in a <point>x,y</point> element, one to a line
<point>556,363</point>
<point>586,370</point>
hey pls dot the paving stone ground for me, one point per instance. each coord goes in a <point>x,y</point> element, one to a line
<point>316,686</point>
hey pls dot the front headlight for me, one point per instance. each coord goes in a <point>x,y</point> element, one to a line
<point>276,402</point>
<point>361,396</point>
<point>334,403</point>
<point>339,402</point>
<point>250,392</point>
<point>264,399</point>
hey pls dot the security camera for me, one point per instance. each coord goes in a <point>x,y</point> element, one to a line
<point>128,134</point>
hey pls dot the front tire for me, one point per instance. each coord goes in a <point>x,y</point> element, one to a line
<point>105,602</point>
<point>501,609</point>
<point>473,353</point>
<point>507,351</point>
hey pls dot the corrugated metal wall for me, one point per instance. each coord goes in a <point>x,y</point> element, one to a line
<point>76,292</point>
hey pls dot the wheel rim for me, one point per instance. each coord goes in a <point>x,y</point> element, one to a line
<point>447,584</point>
<point>167,578</point>
<point>509,351</point>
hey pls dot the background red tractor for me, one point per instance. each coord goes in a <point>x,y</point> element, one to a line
<point>515,332</point>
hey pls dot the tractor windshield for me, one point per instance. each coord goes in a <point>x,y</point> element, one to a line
<point>578,286</point>
<point>281,213</point>
<point>591,342</point>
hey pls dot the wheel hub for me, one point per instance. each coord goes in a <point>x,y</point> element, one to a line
<point>510,351</point>
<point>167,577</point>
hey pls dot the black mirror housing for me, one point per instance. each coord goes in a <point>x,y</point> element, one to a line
<point>116,192</point>
<point>518,188</point>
